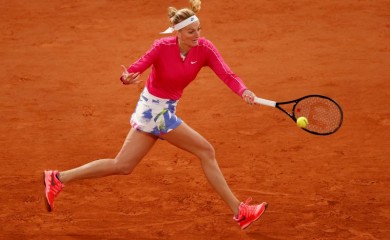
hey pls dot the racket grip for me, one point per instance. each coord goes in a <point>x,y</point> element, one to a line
<point>265,102</point>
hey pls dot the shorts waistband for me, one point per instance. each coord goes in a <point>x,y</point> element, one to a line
<point>147,94</point>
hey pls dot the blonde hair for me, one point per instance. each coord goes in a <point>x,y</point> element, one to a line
<point>176,16</point>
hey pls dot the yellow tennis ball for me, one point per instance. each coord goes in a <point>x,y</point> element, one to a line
<point>302,122</point>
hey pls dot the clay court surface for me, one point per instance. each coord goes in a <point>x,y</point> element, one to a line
<point>62,105</point>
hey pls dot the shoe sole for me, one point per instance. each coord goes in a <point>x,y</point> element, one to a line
<point>265,208</point>
<point>47,205</point>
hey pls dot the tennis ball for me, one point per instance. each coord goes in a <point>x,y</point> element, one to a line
<point>302,122</point>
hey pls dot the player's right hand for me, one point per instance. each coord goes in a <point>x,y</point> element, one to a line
<point>248,96</point>
<point>129,78</point>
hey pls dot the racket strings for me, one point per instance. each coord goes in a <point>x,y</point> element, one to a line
<point>324,116</point>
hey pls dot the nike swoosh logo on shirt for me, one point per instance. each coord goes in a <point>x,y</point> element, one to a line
<point>193,62</point>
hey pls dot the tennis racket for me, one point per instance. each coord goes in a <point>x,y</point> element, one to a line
<point>324,115</point>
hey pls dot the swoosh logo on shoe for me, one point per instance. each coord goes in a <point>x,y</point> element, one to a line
<point>193,62</point>
<point>53,183</point>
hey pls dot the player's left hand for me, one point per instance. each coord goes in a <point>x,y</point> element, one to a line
<point>249,97</point>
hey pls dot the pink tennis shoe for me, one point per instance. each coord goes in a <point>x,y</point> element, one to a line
<point>247,214</point>
<point>53,187</point>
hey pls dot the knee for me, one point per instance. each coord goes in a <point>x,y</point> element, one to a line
<point>122,168</point>
<point>206,152</point>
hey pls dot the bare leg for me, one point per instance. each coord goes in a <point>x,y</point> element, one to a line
<point>135,147</point>
<point>188,139</point>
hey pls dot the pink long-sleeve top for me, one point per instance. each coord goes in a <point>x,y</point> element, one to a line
<point>170,74</point>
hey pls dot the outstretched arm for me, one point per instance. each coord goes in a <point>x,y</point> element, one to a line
<point>130,75</point>
<point>218,65</point>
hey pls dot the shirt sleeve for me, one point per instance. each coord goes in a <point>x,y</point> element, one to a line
<point>221,69</point>
<point>146,60</point>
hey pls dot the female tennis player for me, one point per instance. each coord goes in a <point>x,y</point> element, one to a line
<point>175,62</point>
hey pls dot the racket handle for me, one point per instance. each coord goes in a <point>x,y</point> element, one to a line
<point>265,102</point>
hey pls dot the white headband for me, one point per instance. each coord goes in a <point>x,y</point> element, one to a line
<point>181,25</point>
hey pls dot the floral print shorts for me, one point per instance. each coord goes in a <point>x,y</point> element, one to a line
<point>155,115</point>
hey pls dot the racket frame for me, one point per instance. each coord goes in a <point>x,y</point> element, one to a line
<point>278,105</point>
